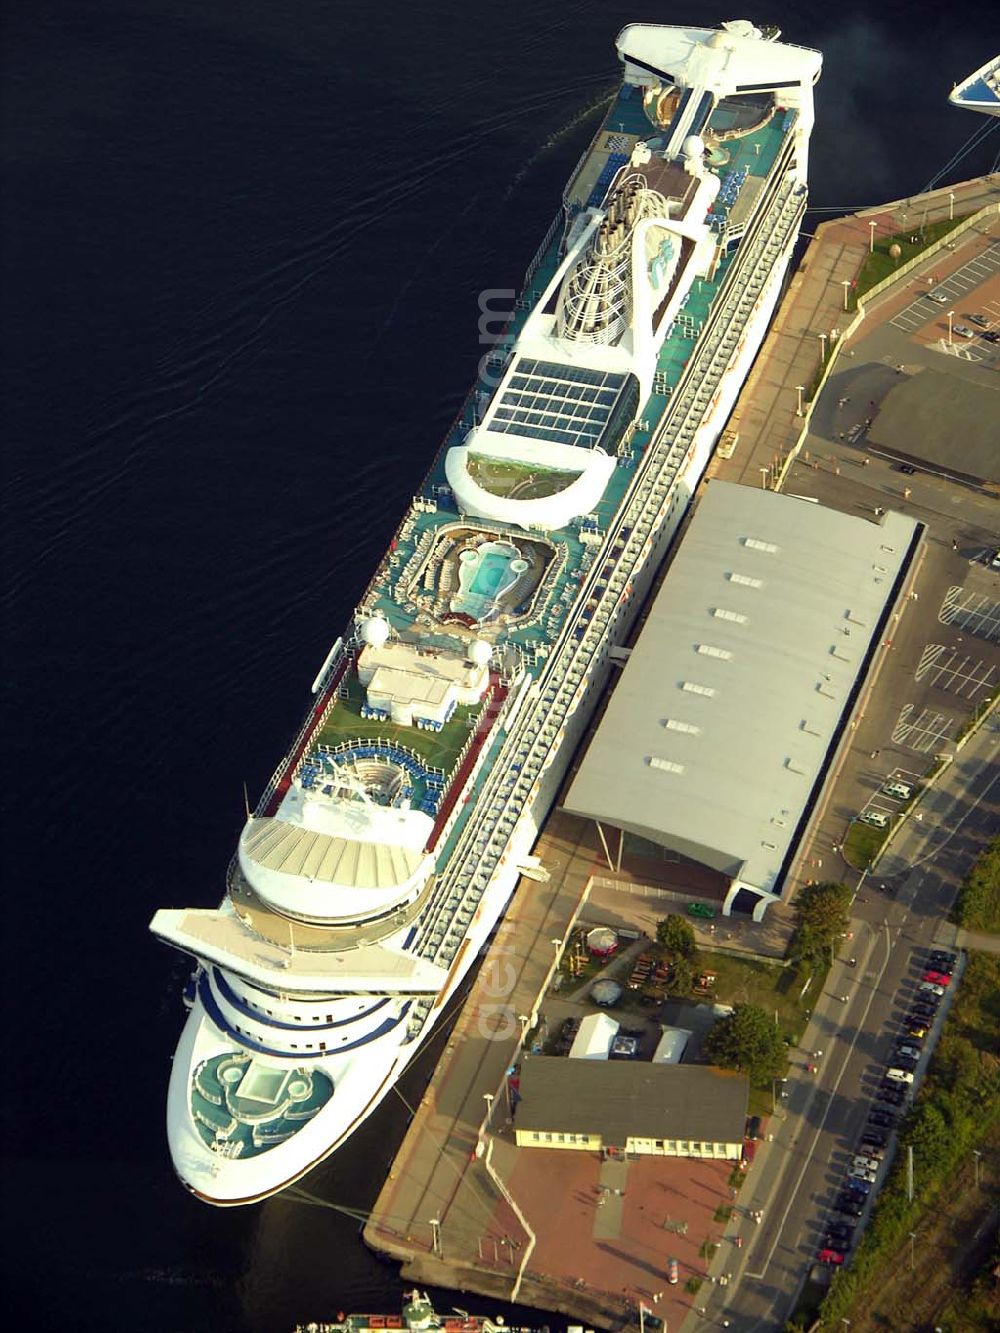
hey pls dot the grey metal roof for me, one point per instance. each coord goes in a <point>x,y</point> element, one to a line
<point>622,1098</point>
<point>719,726</point>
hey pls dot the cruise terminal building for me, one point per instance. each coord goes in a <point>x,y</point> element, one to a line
<point>721,731</point>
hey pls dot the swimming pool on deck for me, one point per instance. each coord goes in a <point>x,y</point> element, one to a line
<point>485,575</point>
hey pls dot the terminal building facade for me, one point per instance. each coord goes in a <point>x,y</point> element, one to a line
<point>731,709</point>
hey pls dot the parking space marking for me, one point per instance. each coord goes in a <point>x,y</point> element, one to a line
<point>955,287</point>
<point>972,612</point>
<point>923,733</point>
<point>947,669</point>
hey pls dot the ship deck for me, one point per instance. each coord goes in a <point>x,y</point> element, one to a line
<point>402,589</point>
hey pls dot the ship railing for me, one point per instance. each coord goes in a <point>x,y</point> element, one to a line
<point>311,723</point>
<point>565,671</point>
<point>555,225</point>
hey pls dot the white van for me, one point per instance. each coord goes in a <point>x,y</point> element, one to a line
<point>902,791</point>
<point>874,817</point>
<point>899,1075</point>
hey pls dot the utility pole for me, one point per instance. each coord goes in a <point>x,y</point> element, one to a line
<point>436,1236</point>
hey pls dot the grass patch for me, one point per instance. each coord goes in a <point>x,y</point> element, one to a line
<point>879,265</point>
<point>439,748</point>
<point>978,906</point>
<point>863,844</point>
<point>723,1213</point>
<point>750,981</point>
<point>707,1249</point>
<point>693,1285</point>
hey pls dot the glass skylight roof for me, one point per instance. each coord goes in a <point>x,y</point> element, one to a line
<point>548,401</point>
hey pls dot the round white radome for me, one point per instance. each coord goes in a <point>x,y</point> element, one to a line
<point>375,631</point>
<point>480,652</point>
<point>694,146</point>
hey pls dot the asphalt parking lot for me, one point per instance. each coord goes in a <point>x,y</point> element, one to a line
<point>972,612</point>
<point>960,293</point>
<point>954,671</point>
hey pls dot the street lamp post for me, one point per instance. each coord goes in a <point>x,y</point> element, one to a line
<point>871,237</point>
<point>436,1235</point>
<point>951,205</point>
<point>763,478</point>
<point>822,348</point>
<point>488,1099</point>
<point>846,284</point>
<point>951,316</point>
<point>800,390</point>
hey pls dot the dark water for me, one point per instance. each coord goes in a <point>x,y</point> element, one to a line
<point>242,245</point>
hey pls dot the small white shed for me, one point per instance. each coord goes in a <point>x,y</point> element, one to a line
<point>593,1041</point>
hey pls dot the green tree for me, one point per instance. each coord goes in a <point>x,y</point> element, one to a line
<point>823,915</point>
<point>748,1039</point>
<point>675,934</point>
<point>682,975</point>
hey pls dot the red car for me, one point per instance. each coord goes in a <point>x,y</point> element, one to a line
<point>938,978</point>
<point>830,1257</point>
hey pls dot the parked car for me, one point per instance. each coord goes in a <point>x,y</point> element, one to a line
<point>905,468</point>
<point>848,1204</point>
<point>981,320</point>
<point>963,331</point>
<point>864,1162</point>
<point>902,791</point>
<point>875,818</point>
<point>874,1140</point>
<point>893,1094</point>
<point>828,1256</point>
<point>907,1051</point>
<point>993,336</point>
<point>864,1173</point>
<point>940,297</point>
<point>856,1185</point>
<point>907,1062</point>
<point>840,1234</point>
<point>915,1027</point>
<point>944,962</point>
<point>938,978</point>
<point>899,1075</point>
<point>753,1127</point>
<point>874,1152</point>
<point>930,988</point>
<point>881,1117</point>
<point>925,1005</point>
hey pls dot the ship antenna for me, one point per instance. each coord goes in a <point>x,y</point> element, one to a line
<point>246,800</point>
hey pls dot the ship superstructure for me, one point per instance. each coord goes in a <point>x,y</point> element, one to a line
<point>387,844</point>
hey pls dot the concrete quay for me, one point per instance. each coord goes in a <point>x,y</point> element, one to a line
<point>773,409</point>
<point>462,1207</point>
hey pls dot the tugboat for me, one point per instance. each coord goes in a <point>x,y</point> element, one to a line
<point>418,1315</point>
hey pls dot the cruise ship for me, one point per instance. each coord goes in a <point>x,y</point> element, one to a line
<point>385,848</point>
